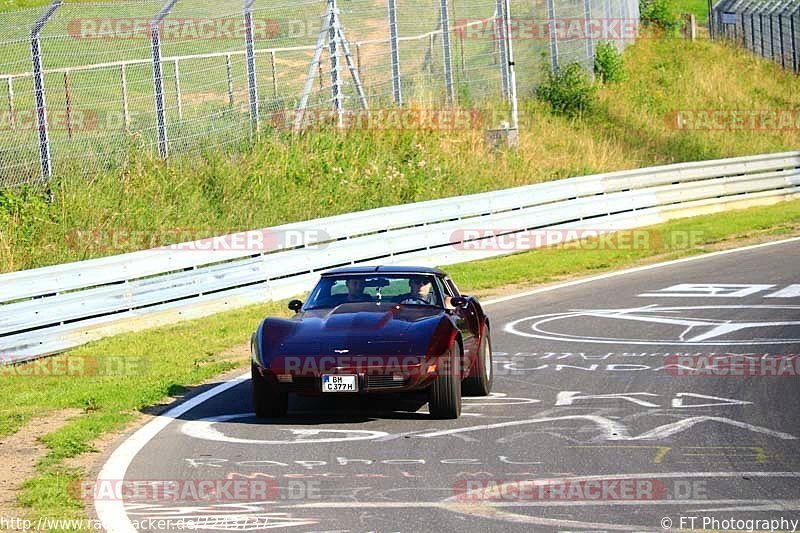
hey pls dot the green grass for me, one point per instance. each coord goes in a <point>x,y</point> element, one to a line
<point>178,356</point>
<point>698,7</point>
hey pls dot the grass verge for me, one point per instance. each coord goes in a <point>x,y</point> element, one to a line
<point>168,360</point>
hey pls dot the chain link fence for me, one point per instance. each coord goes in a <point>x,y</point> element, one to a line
<point>84,84</point>
<point>769,28</point>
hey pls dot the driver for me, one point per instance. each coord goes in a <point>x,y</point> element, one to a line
<point>420,291</point>
<point>355,290</point>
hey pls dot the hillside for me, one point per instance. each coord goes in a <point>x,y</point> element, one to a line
<point>285,178</point>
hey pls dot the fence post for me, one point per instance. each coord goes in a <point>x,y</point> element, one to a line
<point>336,72</point>
<point>744,32</point>
<point>771,36</point>
<point>126,116</point>
<point>358,59</point>
<point>395,49</point>
<point>178,98</point>
<point>711,19</point>
<point>229,76</point>
<point>587,15</point>
<point>512,69</point>
<point>38,89</point>
<point>783,52</point>
<point>12,119</point>
<point>252,86</point>
<point>502,45</point>
<point>158,78</point>
<point>274,69</point>
<point>68,102</point>
<point>551,17</point>
<point>448,58</point>
<point>795,58</point>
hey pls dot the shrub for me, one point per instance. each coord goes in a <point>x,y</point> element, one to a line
<point>569,91</point>
<point>609,66</point>
<point>659,14</point>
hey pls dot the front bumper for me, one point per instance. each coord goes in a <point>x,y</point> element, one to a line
<point>379,376</point>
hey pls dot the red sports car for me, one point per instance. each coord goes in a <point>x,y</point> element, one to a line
<point>375,329</point>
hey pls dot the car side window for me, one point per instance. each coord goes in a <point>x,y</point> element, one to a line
<point>452,290</point>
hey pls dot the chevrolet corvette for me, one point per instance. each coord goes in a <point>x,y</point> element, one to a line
<point>381,329</point>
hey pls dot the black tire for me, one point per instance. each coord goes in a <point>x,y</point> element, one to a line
<point>480,384</point>
<point>267,403</point>
<point>444,395</point>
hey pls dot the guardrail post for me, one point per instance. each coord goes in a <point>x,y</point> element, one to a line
<point>252,86</point>
<point>38,89</point>
<point>502,44</point>
<point>395,50</point>
<point>551,18</point>
<point>448,58</point>
<point>158,78</point>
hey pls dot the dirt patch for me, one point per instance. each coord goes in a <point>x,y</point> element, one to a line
<point>19,454</point>
<point>236,354</point>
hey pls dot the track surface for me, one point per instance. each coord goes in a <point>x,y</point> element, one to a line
<point>580,390</point>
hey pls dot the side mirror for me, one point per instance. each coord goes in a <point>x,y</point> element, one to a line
<point>459,301</point>
<point>295,305</point>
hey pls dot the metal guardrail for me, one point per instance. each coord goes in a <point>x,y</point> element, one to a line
<point>49,310</point>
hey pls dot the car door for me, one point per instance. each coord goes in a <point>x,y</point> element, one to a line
<point>467,320</point>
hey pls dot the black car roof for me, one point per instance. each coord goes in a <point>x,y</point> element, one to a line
<point>383,270</point>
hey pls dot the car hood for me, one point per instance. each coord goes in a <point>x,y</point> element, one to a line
<point>355,329</point>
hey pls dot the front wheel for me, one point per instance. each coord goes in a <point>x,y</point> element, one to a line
<point>267,403</point>
<point>444,395</point>
<point>480,384</point>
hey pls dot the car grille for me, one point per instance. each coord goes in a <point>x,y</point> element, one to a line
<point>384,382</point>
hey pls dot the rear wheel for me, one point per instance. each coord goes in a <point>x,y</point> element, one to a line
<point>444,396</point>
<point>480,384</point>
<point>267,403</point>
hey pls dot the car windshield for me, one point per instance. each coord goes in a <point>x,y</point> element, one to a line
<point>403,289</point>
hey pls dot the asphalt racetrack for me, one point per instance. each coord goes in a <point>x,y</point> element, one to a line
<point>597,422</point>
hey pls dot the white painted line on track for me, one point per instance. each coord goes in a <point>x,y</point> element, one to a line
<point>644,268</point>
<point>111,512</point>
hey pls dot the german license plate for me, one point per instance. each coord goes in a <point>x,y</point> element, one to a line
<point>339,383</point>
